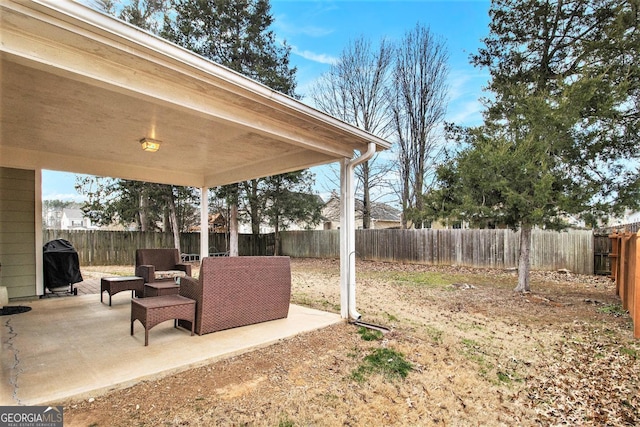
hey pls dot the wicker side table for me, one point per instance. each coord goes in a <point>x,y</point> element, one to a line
<point>113,285</point>
<point>152,311</point>
<point>158,289</point>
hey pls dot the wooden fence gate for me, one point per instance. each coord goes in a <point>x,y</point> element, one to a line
<point>601,251</point>
<point>625,270</point>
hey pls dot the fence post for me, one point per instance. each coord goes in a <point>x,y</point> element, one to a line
<point>622,291</point>
<point>634,309</point>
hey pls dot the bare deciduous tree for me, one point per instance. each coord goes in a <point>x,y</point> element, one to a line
<point>355,90</point>
<point>419,107</point>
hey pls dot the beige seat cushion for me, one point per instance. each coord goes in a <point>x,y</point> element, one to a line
<point>169,274</point>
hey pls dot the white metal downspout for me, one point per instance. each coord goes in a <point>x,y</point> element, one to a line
<point>348,234</point>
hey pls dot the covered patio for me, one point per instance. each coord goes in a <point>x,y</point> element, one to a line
<point>80,91</point>
<point>78,347</point>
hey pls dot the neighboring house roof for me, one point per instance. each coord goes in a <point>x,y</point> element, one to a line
<point>217,222</point>
<point>81,88</point>
<point>379,211</point>
<point>73,214</point>
<point>73,218</point>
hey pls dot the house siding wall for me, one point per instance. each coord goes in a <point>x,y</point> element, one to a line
<point>17,232</point>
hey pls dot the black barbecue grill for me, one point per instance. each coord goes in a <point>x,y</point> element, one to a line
<point>61,267</point>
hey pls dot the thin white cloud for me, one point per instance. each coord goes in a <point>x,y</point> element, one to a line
<point>467,113</point>
<point>321,58</point>
<point>283,27</point>
<point>465,93</point>
<point>299,27</point>
<point>462,83</point>
<point>457,84</point>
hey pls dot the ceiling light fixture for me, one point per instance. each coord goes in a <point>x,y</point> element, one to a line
<point>151,145</point>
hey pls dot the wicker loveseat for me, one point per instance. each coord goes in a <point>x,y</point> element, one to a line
<point>238,291</point>
<point>160,265</point>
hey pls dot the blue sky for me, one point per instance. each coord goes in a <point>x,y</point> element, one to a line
<point>319,30</point>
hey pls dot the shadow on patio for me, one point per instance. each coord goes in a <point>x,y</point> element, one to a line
<point>78,347</point>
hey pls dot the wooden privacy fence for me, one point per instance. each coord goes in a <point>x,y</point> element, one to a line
<point>625,270</point>
<point>571,250</point>
<point>550,250</point>
<point>99,247</point>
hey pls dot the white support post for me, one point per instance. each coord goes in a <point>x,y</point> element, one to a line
<point>204,223</point>
<point>38,237</point>
<point>348,234</point>
<point>345,263</point>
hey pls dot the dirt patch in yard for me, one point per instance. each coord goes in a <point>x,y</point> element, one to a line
<point>480,354</point>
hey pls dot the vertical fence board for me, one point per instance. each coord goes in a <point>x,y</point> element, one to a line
<point>625,269</point>
<point>635,311</point>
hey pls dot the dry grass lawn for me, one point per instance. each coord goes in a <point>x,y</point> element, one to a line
<point>479,354</point>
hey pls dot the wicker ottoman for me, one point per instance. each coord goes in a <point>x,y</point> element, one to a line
<point>153,311</point>
<point>113,285</point>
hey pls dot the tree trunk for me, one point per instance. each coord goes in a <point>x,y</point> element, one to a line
<point>166,219</point>
<point>233,230</point>
<point>253,207</point>
<point>276,238</point>
<point>366,197</point>
<point>405,192</point>
<point>142,212</point>
<point>524,260</point>
<point>419,185</point>
<point>173,220</point>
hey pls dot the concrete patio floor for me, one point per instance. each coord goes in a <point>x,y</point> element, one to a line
<point>76,347</point>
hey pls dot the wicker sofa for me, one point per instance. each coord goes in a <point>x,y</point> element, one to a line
<point>160,265</point>
<point>238,291</point>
